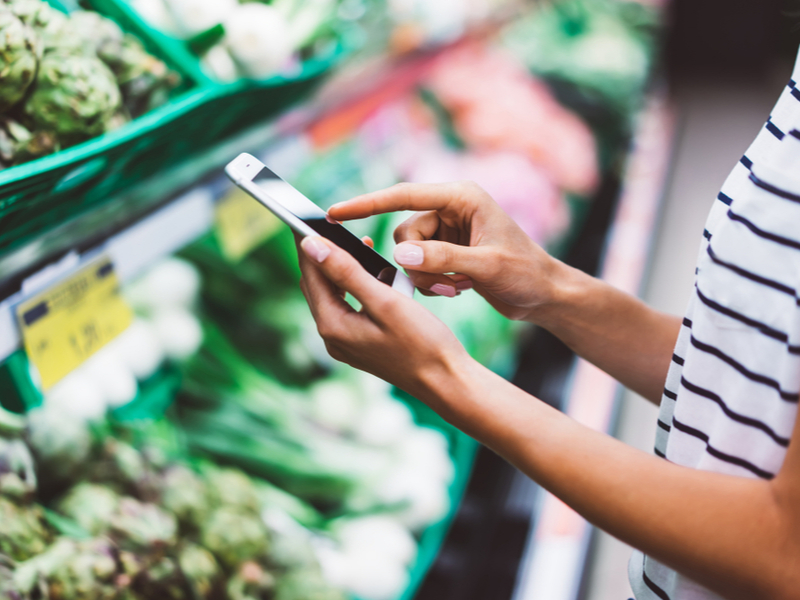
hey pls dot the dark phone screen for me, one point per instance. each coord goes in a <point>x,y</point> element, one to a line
<point>313,216</point>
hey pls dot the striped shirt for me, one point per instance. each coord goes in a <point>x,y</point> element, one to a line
<point>731,394</point>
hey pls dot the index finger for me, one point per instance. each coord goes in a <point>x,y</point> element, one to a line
<point>399,197</point>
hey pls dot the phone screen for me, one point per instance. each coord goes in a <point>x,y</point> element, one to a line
<point>316,218</point>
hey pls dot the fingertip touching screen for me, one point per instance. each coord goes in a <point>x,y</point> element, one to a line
<point>316,218</point>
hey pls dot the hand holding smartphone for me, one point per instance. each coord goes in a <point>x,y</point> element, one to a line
<point>306,218</point>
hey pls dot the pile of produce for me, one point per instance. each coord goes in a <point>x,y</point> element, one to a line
<point>339,477</point>
<point>250,39</point>
<point>597,56</point>
<point>69,78</point>
<point>112,521</point>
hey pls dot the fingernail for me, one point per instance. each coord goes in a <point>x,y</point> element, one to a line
<point>315,249</point>
<point>443,290</point>
<point>408,254</point>
<point>462,286</point>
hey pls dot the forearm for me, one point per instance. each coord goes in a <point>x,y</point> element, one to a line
<point>611,329</point>
<point>727,533</point>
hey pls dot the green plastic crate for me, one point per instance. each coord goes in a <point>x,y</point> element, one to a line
<point>38,195</point>
<point>178,50</point>
<point>462,451</point>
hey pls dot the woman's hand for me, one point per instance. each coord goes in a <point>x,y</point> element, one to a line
<point>391,337</point>
<point>461,238</point>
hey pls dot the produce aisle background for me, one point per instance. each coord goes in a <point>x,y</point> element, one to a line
<point>192,394</point>
<point>210,360</point>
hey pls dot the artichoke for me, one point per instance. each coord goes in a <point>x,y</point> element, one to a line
<point>8,587</point>
<point>120,464</point>
<point>75,96</point>
<point>235,536</point>
<point>49,24</point>
<point>71,569</point>
<point>163,580</point>
<point>145,81</point>
<point>99,36</point>
<point>17,477</point>
<point>306,584</point>
<point>60,441</point>
<point>141,526</point>
<point>184,495</point>
<point>18,144</point>
<point>22,530</point>
<point>91,506</point>
<point>229,487</point>
<point>20,51</point>
<point>200,569</point>
<point>250,582</point>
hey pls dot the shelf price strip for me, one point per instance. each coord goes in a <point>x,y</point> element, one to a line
<point>66,324</point>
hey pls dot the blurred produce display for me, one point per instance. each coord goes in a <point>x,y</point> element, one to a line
<point>251,39</point>
<point>69,78</point>
<point>343,476</point>
<point>597,57</point>
<point>415,24</point>
<point>130,522</point>
<point>213,449</point>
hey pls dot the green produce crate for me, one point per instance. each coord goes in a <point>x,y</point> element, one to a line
<point>178,50</point>
<point>462,451</point>
<point>155,398</point>
<point>38,195</point>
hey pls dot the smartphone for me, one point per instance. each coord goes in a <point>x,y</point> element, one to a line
<point>306,218</point>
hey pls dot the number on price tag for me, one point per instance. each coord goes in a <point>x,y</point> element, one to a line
<point>243,224</point>
<point>69,322</point>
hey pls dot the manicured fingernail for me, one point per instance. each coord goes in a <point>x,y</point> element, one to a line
<point>315,249</point>
<point>462,286</point>
<point>443,290</point>
<point>408,254</point>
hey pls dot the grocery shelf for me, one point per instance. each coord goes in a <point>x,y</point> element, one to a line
<point>160,234</point>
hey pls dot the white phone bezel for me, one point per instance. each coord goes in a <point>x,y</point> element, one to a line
<point>243,169</point>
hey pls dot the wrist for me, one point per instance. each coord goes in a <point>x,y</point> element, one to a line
<point>558,285</point>
<point>443,383</point>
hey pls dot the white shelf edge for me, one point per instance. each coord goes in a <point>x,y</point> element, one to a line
<point>159,234</point>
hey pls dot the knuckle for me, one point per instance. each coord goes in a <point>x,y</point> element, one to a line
<point>401,232</point>
<point>327,331</point>
<point>471,193</point>
<point>492,262</point>
<point>347,272</point>
<point>440,257</point>
<point>402,185</point>
<point>404,189</point>
<point>384,305</point>
<point>334,352</point>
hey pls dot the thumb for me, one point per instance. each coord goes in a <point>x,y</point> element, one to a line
<point>433,256</point>
<point>344,271</point>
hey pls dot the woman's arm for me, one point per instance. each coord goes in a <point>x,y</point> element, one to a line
<point>460,229</point>
<point>611,329</point>
<point>739,537</point>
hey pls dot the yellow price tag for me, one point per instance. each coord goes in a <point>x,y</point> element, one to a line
<point>69,322</point>
<point>242,224</point>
